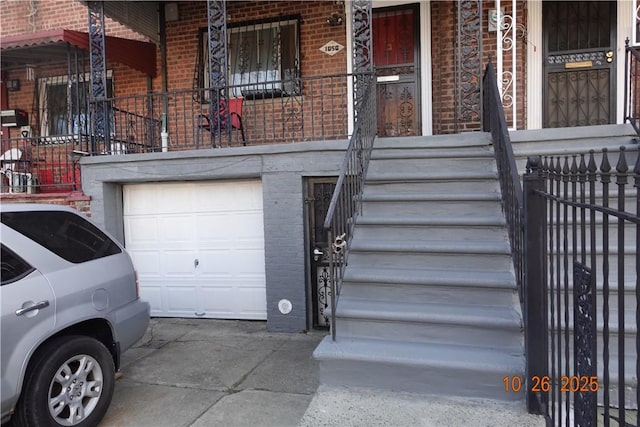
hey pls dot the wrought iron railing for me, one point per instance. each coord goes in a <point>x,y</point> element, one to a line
<point>632,86</point>
<point>512,201</point>
<point>41,164</point>
<point>582,261</point>
<point>315,109</point>
<point>346,201</point>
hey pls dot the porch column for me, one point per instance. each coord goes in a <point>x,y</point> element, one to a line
<point>97,56</point>
<point>469,63</point>
<point>361,16</point>
<point>507,60</point>
<point>217,32</point>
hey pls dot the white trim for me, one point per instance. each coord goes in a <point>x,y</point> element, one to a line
<point>426,81</point>
<point>624,28</point>
<point>534,64</point>
<point>426,106</point>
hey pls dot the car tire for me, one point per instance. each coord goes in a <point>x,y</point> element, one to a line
<point>70,383</point>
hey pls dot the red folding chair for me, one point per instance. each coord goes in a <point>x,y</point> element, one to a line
<point>227,119</point>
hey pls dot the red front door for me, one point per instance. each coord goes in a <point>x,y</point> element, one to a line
<point>396,58</point>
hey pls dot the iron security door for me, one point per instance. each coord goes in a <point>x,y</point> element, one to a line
<point>579,70</point>
<point>395,55</point>
<point>318,197</point>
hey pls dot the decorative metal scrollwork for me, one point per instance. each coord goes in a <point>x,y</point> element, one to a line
<point>598,58</point>
<point>585,336</point>
<point>217,32</point>
<point>324,294</point>
<point>97,57</point>
<point>362,54</point>
<point>469,59</point>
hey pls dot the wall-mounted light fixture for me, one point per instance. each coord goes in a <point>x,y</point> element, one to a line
<point>335,19</point>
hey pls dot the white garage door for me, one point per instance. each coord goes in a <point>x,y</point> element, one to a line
<point>198,247</point>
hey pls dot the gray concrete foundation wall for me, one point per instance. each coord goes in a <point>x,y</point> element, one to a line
<point>282,169</point>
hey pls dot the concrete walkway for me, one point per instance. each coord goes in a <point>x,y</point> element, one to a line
<point>203,373</point>
<point>209,373</point>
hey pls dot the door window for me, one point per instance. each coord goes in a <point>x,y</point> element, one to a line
<point>12,267</point>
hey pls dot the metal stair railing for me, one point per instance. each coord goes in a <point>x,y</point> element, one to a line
<point>512,200</point>
<point>346,201</point>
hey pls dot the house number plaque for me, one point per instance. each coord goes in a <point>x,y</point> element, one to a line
<point>331,48</point>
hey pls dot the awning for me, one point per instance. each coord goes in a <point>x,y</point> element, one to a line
<point>51,46</point>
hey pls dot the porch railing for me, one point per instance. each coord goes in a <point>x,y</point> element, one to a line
<point>632,86</point>
<point>346,201</point>
<point>41,164</point>
<point>311,108</point>
<point>582,280</point>
<point>307,109</point>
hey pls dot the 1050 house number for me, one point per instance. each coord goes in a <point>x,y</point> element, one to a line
<point>568,383</point>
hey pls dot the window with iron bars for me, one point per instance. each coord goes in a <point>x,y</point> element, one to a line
<point>63,105</point>
<point>263,59</point>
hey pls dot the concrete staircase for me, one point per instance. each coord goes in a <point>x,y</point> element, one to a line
<point>429,302</point>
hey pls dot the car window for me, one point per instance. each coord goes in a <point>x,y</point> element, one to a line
<point>64,233</point>
<point>12,267</point>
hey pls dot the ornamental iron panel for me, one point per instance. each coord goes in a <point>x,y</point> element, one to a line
<point>97,59</point>
<point>469,62</point>
<point>217,37</point>
<point>585,339</point>
<point>578,98</point>
<point>507,60</point>
<point>361,14</point>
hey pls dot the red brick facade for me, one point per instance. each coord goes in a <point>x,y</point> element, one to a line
<point>19,17</point>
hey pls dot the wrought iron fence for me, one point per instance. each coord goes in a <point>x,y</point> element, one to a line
<point>632,86</point>
<point>512,201</point>
<point>582,292</point>
<point>346,201</point>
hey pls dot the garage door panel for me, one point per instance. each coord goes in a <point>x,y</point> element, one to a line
<point>176,263</point>
<point>180,298</point>
<point>147,263</point>
<point>141,231</point>
<point>170,225</point>
<point>140,199</point>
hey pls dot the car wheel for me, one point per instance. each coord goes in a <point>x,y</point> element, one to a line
<point>70,383</point>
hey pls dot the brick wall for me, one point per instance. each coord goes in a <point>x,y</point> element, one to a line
<point>75,200</point>
<point>24,17</point>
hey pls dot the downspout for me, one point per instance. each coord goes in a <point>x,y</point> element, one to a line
<point>164,134</point>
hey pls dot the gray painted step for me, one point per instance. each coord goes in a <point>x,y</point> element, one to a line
<point>487,288</point>
<point>428,208</point>
<point>432,153</point>
<point>408,231</point>
<point>448,184</point>
<point>469,139</point>
<point>443,254</point>
<point>416,164</point>
<point>453,370</point>
<point>475,325</point>
<point>449,221</point>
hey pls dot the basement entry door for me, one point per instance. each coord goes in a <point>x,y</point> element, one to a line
<point>198,247</point>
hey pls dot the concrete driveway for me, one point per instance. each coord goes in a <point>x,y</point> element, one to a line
<point>200,372</point>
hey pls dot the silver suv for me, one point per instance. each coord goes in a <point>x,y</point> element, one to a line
<point>70,306</point>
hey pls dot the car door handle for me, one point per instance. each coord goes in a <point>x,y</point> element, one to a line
<point>36,306</point>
